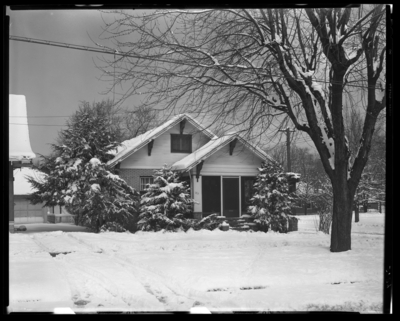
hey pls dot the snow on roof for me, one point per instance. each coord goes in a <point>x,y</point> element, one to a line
<point>20,146</point>
<point>213,146</point>
<point>202,153</point>
<point>21,184</point>
<point>130,146</point>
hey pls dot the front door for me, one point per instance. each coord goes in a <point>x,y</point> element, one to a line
<point>211,191</point>
<point>230,196</point>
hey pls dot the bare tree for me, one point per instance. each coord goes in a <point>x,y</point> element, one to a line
<point>372,183</point>
<point>258,69</point>
<point>138,121</point>
<point>126,122</point>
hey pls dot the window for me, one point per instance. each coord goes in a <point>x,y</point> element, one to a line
<point>144,182</point>
<point>181,143</point>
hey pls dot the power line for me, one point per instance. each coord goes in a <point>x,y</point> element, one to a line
<point>62,116</point>
<point>39,116</point>
<point>37,125</point>
<point>116,52</point>
<point>64,45</point>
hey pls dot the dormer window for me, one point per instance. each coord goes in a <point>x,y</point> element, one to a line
<point>181,143</point>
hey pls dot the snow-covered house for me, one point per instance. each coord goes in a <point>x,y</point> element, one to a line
<point>24,211</point>
<point>220,170</point>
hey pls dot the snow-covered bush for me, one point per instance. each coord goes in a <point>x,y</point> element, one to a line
<point>112,227</point>
<point>271,200</point>
<point>166,203</point>
<point>210,222</point>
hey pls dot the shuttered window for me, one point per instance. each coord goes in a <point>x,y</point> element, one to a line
<point>181,143</point>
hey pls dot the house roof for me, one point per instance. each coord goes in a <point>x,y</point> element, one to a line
<point>130,146</point>
<point>19,143</point>
<point>212,147</point>
<point>21,184</point>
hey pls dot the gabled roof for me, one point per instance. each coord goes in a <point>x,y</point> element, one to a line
<point>130,146</point>
<point>212,147</point>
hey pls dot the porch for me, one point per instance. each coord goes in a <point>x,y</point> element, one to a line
<point>228,196</point>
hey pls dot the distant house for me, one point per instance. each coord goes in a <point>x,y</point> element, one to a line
<point>24,211</point>
<point>220,170</point>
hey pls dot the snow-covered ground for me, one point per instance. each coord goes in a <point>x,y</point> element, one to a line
<point>223,271</point>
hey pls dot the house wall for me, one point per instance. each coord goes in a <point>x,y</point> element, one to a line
<point>161,152</point>
<point>242,162</point>
<point>196,194</point>
<point>25,212</point>
<point>132,176</point>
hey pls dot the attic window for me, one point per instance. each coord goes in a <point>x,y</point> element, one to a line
<point>181,143</point>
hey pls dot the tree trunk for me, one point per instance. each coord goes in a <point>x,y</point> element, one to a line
<point>341,218</point>
<point>99,223</point>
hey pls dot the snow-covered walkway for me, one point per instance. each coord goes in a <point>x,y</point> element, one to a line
<point>223,271</point>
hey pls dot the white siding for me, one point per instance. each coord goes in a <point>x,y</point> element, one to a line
<point>242,162</point>
<point>197,194</point>
<point>161,152</point>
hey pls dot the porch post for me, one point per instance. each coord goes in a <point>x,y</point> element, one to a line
<point>222,196</point>
<point>197,194</point>
<point>240,196</point>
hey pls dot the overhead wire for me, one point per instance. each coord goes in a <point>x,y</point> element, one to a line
<point>107,51</point>
<point>39,125</point>
<point>115,52</point>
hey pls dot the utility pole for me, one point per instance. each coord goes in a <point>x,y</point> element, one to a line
<point>288,131</point>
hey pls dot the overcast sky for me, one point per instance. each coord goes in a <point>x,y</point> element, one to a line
<point>53,79</point>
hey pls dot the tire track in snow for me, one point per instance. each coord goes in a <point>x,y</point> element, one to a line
<point>168,292</point>
<point>121,291</point>
<point>76,293</point>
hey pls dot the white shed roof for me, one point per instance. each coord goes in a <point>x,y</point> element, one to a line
<point>20,146</point>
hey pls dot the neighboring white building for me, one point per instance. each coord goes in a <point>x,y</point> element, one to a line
<point>20,151</point>
<point>24,211</point>
<point>220,170</point>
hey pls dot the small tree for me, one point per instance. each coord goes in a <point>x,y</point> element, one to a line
<point>271,201</point>
<point>166,203</point>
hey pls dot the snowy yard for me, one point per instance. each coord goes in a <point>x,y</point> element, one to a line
<point>223,271</point>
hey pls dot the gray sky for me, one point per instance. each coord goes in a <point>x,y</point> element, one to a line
<point>54,80</point>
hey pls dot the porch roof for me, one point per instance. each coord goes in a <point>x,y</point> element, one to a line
<point>212,147</point>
